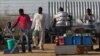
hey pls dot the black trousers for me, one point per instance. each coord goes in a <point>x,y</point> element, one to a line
<point>60,30</point>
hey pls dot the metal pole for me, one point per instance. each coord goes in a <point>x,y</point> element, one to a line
<point>74,11</point>
<point>63,4</point>
<point>49,12</point>
<point>57,7</point>
<point>77,9</point>
<point>83,10</point>
<point>94,8</point>
<point>80,9</point>
<point>96,11</point>
<point>71,8</point>
<point>88,4</point>
<point>54,7</point>
<point>68,8</point>
<point>99,10</point>
<point>60,3</point>
<point>66,5</point>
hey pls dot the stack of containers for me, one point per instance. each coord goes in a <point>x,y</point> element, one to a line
<point>74,39</point>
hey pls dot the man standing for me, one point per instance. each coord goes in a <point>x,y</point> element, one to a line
<point>39,28</point>
<point>89,19</point>
<point>25,25</point>
<point>61,19</point>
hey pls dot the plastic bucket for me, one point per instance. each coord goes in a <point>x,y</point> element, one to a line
<point>10,43</point>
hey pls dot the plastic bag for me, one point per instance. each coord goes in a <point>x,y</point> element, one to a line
<point>35,33</point>
<point>79,22</point>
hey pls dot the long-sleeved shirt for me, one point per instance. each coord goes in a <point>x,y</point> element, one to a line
<point>24,21</point>
<point>38,22</point>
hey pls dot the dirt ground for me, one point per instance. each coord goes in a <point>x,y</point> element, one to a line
<point>48,51</point>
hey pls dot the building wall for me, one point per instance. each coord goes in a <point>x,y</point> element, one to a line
<point>30,6</point>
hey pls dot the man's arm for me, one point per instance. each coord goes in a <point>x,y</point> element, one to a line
<point>33,22</point>
<point>16,22</point>
<point>28,18</point>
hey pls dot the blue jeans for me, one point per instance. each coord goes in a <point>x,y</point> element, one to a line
<point>26,36</point>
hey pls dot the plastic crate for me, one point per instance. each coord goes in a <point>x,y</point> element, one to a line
<point>87,40</point>
<point>68,41</point>
<point>61,40</point>
<point>77,40</point>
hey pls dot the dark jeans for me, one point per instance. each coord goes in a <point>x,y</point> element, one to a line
<point>60,30</point>
<point>26,39</point>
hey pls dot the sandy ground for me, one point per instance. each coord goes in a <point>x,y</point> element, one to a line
<point>49,51</point>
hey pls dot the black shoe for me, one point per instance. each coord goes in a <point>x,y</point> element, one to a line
<point>34,46</point>
<point>30,51</point>
<point>23,51</point>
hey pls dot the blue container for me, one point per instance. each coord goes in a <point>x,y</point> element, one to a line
<point>68,41</point>
<point>87,40</point>
<point>77,40</point>
<point>7,51</point>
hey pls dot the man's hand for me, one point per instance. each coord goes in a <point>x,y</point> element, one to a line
<point>12,29</point>
<point>32,30</point>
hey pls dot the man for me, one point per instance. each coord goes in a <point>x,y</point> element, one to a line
<point>39,28</point>
<point>25,25</point>
<point>89,19</point>
<point>62,20</point>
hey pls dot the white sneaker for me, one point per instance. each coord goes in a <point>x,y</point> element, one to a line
<point>41,47</point>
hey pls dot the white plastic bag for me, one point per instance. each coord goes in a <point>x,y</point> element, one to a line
<point>79,22</point>
<point>86,23</point>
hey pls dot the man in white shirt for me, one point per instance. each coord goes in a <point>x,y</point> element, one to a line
<point>39,28</point>
<point>89,20</point>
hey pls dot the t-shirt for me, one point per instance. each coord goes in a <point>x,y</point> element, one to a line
<point>24,21</point>
<point>61,18</point>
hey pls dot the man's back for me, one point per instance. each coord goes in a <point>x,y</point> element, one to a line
<point>61,18</point>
